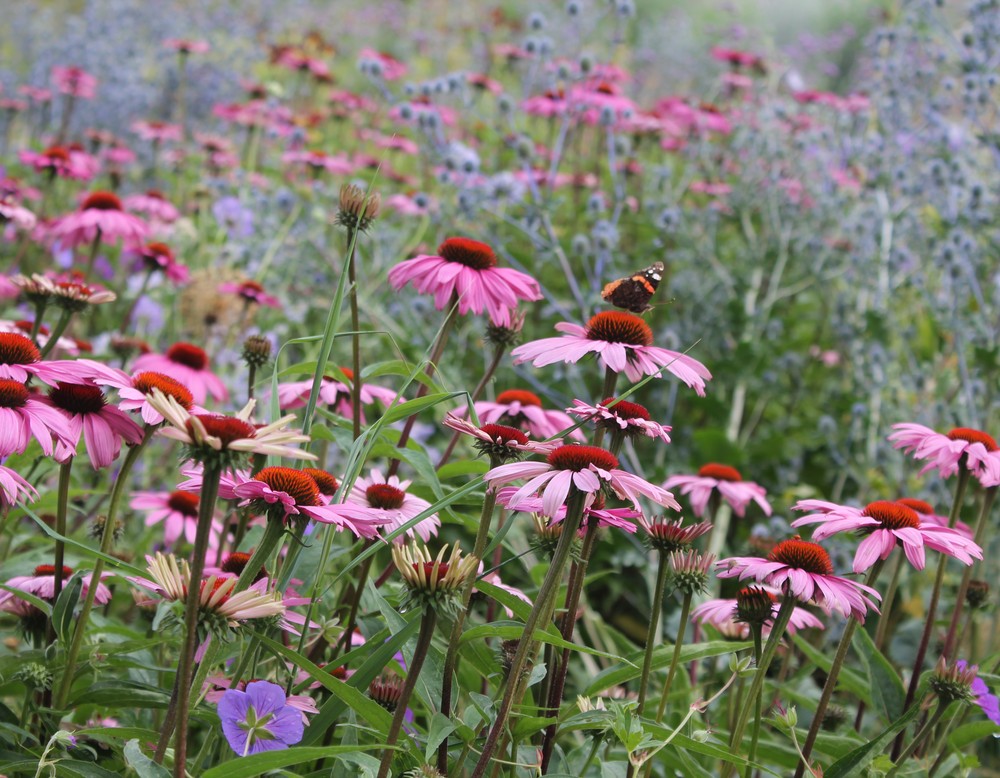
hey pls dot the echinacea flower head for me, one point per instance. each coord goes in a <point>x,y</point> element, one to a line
<point>251,293</point>
<point>70,291</point>
<point>357,209</point>
<point>732,616</point>
<point>386,690</point>
<point>157,256</point>
<point>617,518</point>
<point>622,341</point>
<point>188,364</point>
<point>803,570</point>
<point>103,427</point>
<point>226,439</point>
<point>41,582</point>
<point>13,213</point>
<point>962,447</point>
<point>621,416</point>
<point>467,269</point>
<point>387,502</point>
<point>100,216</point>
<point>259,719</point>
<point>587,469</point>
<point>498,441</point>
<point>14,489</point>
<point>20,358</point>
<point>177,511</point>
<point>689,571</point>
<point>282,492</point>
<point>952,682</point>
<point>723,482</point>
<point>886,524</point>
<point>668,535</point>
<point>74,81</point>
<point>523,409</point>
<point>24,417</point>
<point>335,393</point>
<point>433,582</point>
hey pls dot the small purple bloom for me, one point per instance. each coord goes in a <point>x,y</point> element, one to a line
<point>232,216</point>
<point>989,703</point>
<point>259,719</point>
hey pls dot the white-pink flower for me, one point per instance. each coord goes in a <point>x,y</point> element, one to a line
<point>387,501</point>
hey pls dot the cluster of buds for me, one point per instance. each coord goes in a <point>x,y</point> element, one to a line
<point>432,582</point>
<point>256,351</point>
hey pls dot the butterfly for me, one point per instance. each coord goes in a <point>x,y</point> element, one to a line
<point>634,292</point>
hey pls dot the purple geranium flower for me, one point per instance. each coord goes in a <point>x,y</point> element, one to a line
<point>259,719</point>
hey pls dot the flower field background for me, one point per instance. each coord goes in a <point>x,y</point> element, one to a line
<point>596,388</point>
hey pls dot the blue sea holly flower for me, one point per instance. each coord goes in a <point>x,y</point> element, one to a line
<point>259,719</point>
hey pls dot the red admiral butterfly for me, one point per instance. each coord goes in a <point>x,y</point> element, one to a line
<point>634,292</point>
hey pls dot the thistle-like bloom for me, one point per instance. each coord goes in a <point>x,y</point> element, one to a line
<point>14,489</point>
<point>886,524</point>
<point>689,571</point>
<point>803,570</point>
<point>357,209</point>
<point>628,418</point>
<point>20,358</point>
<point>188,364</point>
<point>208,435</point>
<point>726,482</point>
<point>669,535</point>
<point>432,581</point>
<point>961,447</point>
<point>333,393</point>
<point>100,216</point>
<point>523,409</point>
<point>723,615</point>
<point>284,491</point>
<point>259,719</point>
<point>624,343</point>
<point>467,269</point>
<point>103,427</point>
<point>23,417</point>
<point>587,469</point>
<point>386,502</point>
<point>498,441</point>
<point>178,512</point>
<point>134,391</point>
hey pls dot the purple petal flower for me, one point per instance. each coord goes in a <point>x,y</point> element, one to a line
<point>259,719</point>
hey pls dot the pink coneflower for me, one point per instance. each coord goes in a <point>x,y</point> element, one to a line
<point>250,292</point>
<point>178,512</point>
<point>669,535</point>
<point>158,132</point>
<point>23,417</point>
<point>62,161</point>
<point>386,500</point>
<point>292,492</point>
<point>42,584</point>
<point>587,469</point>
<point>961,447</point>
<point>20,358</point>
<point>102,217</point>
<point>18,215</point>
<point>804,570</point>
<point>551,103</point>
<point>188,364</point>
<point>102,426</point>
<point>498,440</point>
<point>626,417</point>
<point>134,391</point>
<point>187,46</point>
<point>724,481</point>
<point>721,614</point>
<point>467,269</point>
<point>333,393</point>
<point>74,81</point>
<point>67,290</point>
<point>153,204</point>
<point>616,518</point>
<point>886,524</point>
<point>623,341</point>
<point>928,516</point>
<point>523,409</point>
<point>387,67</point>
<point>14,489</point>
<point>155,256</point>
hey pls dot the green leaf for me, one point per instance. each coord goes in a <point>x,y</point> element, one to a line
<point>31,599</point>
<point>622,673</point>
<point>441,726</point>
<point>508,630</point>
<point>849,679</point>
<point>257,764</point>
<point>857,760</point>
<point>142,764</point>
<point>971,732</point>
<point>62,613</point>
<point>888,694</point>
<point>529,725</point>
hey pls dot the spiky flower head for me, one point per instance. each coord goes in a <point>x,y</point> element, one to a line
<point>754,605</point>
<point>386,691</point>
<point>507,337</point>
<point>357,208</point>
<point>432,582</point>
<point>256,351</point>
<point>834,718</point>
<point>689,571</point>
<point>953,683</point>
<point>546,535</point>
<point>978,594</point>
<point>669,535</point>
<point>424,771</point>
<point>34,675</point>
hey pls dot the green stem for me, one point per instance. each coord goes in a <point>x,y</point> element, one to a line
<point>607,390</point>
<point>352,618</point>
<point>273,532</point>
<point>107,538</point>
<point>831,679</point>
<point>525,648</point>
<point>134,304</point>
<point>675,659</point>
<point>413,671</point>
<point>925,730</point>
<point>451,657</point>
<point>62,508</point>
<point>352,296</point>
<point>61,325</point>
<point>487,376</point>
<point>756,630</point>
<point>654,630</point>
<point>36,325</point>
<point>883,626</point>
<point>781,620</point>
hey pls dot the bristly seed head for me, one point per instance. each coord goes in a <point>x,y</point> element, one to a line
<point>577,458</point>
<point>17,349</point>
<point>921,507</point>
<point>970,435</point>
<point>468,252</point>
<point>148,380</point>
<point>521,396</point>
<point>952,683</point>
<point>327,484</point>
<point>185,503</point>
<point>385,497</point>
<point>754,605</point>
<point>102,201</point>
<point>13,394</point>
<point>720,472</point>
<point>357,209</point>
<point>803,555</point>
<point>256,351</point>
<point>624,409</point>
<point>689,571</point>
<point>77,398</point>
<point>619,327</point>
<point>892,515</point>
<point>236,562</point>
<point>189,355</point>
<point>296,483</point>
